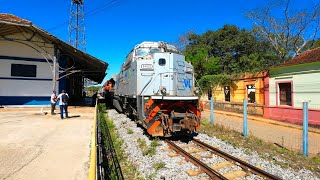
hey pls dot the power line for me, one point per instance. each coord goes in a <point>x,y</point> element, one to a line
<point>101,8</point>
<point>94,11</point>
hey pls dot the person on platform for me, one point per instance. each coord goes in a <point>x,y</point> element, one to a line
<point>63,99</point>
<point>53,102</point>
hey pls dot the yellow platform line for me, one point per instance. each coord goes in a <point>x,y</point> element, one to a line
<point>93,158</point>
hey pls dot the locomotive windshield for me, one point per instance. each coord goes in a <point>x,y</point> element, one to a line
<point>146,51</point>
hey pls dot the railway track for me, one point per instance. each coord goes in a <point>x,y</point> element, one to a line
<point>212,170</point>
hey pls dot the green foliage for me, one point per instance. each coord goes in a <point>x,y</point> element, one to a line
<point>129,171</point>
<point>210,81</point>
<point>154,143</point>
<point>228,50</point>
<point>130,131</point>
<point>101,108</point>
<point>316,159</point>
<point>93,88</point>
<point>159,165</point>
<point>143,146</point>
<point>204,122</point>
<point>311,44</point>
<point>151,150</point>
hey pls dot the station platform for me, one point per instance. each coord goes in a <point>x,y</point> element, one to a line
<point>38,146</point>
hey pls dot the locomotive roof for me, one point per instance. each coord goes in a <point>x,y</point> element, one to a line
<point>151,44</point>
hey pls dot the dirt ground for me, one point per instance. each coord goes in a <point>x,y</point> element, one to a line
<point>38,146</point>
<point>271,131</point>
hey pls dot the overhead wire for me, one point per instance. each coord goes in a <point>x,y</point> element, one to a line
<point>94,11</point>
<point>101,8</point>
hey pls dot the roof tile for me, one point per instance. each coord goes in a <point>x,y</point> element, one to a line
<point>14,19</point>
<point>309,56</point>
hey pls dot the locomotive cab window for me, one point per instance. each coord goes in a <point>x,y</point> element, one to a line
<point>146,51</point>
<point>162,62</point>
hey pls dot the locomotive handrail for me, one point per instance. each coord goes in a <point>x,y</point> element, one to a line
<point>146,85</point>
<point>154,78</point>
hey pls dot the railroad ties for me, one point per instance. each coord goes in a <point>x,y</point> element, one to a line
<point>191,153</point>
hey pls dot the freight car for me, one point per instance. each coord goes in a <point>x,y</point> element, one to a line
<point>156,87</point>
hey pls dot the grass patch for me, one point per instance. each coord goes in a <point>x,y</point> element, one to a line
<point>129,171</point>
<point>130,131</point>
<point>148,150</point>
<point>156,166</point>
<point>269,151</point>
<point>159,165</point>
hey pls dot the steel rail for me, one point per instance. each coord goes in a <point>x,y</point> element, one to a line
<point>205,168</point>
<point>246,166</point>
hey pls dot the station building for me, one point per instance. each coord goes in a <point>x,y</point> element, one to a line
<point>33,63</point>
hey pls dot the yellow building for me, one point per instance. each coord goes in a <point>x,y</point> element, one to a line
<point>250,86</point>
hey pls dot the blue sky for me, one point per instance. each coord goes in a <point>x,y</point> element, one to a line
<point>113,32</point>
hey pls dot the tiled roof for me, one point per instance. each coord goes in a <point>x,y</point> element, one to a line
<point>13,19</point>
<point>309,56</point>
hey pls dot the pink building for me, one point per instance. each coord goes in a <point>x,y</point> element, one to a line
<point>292,83</point>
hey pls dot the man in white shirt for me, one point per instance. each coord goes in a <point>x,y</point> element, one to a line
<point>53,102</point>
<point>63,98</point>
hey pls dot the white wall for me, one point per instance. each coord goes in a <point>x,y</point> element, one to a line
<point>11,48</point>
<point>306,87</point>
<point>11,87</point>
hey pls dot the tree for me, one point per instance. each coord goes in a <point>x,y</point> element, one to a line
<point>312,44</point>
<point>183,41</point>
<point>288,30</point>
<point>228,50</point>
<point>197,57</point>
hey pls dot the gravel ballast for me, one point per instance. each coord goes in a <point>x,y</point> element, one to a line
<point>176,167</point>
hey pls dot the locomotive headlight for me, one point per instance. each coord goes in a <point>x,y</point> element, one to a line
<point>163,91</point>
<point>188,70</point>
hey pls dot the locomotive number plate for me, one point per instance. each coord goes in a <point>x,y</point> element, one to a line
<point>146,67</point>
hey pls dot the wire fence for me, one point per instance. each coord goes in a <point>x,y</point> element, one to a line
<point>280,132</point>
<point>108,166</point>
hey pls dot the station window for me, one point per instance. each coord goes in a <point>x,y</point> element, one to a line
<point>227,93</point>
<point>209,94</point>
<point>285,95</point>
<point>162,62</point>
<point>23,70</point>
<point>251,93</point>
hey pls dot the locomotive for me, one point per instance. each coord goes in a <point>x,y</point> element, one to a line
<point>156,87</point>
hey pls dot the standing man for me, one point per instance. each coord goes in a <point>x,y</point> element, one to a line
<point>63,98</point>
<point>53,102</point>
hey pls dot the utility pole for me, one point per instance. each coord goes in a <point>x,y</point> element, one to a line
<point>76,25</point>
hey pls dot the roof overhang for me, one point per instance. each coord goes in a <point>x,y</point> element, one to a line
<point>91,67</point>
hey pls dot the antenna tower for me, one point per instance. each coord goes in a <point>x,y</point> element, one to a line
<point>77,36</point>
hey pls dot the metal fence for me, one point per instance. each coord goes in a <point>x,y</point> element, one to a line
<point>301,137</point>
<point>108,166</point>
